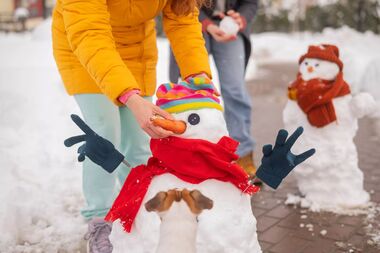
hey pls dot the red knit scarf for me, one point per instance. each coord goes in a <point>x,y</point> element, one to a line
<point>315,98</point>
<point>193,161</point>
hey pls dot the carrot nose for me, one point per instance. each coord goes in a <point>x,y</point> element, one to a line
<point>310,69</point>
<point>176,126</point>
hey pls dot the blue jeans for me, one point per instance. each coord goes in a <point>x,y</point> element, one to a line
<point>229,60</point>
<point>118,125</point>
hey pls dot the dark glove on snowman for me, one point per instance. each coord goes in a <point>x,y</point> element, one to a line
<point>279,161</point>
<point>99,150</point>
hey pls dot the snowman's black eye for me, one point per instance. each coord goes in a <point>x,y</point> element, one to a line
<point>306,63</point>
<point>194,119</point>
<point>317,64</point>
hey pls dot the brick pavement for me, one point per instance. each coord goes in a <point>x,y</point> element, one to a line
<point>289,229</point>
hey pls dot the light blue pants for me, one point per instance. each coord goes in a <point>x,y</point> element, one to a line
<point>118,125</point>
<point>229,60</point>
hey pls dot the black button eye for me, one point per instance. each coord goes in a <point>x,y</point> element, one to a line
<point>193,119</point>
<point>306,63</point>
<point>317,65</point>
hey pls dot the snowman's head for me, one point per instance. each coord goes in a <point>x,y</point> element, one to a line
<point>206,124</point>
<point>194,104</point>
<point>320,62</point>
<point>311,68</point>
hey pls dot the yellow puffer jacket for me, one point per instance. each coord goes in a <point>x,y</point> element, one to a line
<point>109,46</point>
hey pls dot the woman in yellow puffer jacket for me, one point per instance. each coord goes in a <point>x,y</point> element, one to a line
<point>106,54</point>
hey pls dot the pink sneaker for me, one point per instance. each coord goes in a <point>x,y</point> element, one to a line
<point>97,236</point>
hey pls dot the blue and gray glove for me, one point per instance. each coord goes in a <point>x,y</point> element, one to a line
<point>99,150</point>
<point>279,161</point>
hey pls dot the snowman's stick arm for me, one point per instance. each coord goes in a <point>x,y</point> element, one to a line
<point>127,163</point>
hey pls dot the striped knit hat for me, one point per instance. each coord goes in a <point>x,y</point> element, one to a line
<point>324,52</point>
<point>196,93</point>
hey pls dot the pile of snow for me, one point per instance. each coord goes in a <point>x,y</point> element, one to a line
<point>43,31</point>
<point>360,53</point>
<point>372,224</point>
<point>40,183</point>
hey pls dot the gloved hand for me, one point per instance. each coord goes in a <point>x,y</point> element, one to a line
<point>279,161</point>
<point>99,150</point>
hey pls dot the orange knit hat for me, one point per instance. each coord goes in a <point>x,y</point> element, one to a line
<point>324,52</point>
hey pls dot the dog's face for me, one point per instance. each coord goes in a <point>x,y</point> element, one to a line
<point>193,201</point>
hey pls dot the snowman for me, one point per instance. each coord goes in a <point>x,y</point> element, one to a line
<point>200,157</point>
<point>321,101</point>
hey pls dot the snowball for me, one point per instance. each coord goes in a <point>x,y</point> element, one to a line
<point>229,26</point>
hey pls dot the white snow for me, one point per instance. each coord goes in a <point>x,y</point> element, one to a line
<point>211,126</point>
<point>40,183</point>
<point>323,232</point>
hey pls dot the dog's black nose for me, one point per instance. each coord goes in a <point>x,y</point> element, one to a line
<point>194,119</point>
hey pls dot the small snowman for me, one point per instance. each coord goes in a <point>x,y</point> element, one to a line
<point>199,157</point>
<point>321,101</point>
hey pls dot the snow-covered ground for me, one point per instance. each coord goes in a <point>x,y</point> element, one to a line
<point>40,182</point>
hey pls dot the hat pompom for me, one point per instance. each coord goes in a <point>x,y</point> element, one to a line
<point>200,83</point>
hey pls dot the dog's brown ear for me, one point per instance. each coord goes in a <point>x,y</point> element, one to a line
<point>162,201</point>
<point>196,201</point>
<point>201,200</point>
<point>156,203</point>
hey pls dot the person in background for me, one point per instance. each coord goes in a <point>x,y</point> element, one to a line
<point>106,54</point>
<point>231,54</point>
<point>21,15</point>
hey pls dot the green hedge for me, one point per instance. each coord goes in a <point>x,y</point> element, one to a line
<point>362,15</point>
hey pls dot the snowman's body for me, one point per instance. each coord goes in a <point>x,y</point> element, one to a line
<point>331,180</point>
<point>229,227</point>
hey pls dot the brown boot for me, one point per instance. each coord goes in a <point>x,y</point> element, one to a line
<point>247,163</point>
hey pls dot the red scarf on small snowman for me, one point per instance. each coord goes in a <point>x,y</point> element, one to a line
<point>191,160</point>
<point>315,97</point>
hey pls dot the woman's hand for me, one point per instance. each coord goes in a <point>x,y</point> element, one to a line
<point>143,111</point>
<point>237,17</point>
<point>218,34</point>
